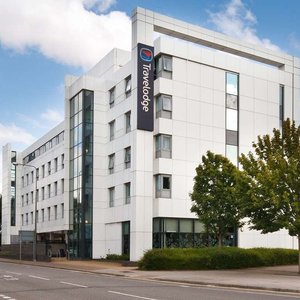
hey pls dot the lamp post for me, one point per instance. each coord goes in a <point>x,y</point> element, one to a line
<point>34,249</point>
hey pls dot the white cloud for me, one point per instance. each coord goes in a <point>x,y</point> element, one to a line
<point>238,21</point>
<point>14,134</point>
<point>52,116</point>
<point>67,31</point>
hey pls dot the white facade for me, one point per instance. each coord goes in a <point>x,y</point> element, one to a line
<point>198,119</point>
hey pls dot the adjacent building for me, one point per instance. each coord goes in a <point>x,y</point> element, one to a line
<point>115,176</point>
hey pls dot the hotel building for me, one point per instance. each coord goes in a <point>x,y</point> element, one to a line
<point>115,176</point>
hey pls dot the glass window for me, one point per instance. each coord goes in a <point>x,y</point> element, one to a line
<point>231,119</point>
<point>128,121</point>
<point>199,227</point>
<point>164,106</point>
<point>49,167</point>
<point>62,210</point>
<point>31,217</point>
<point>231,137</point>
<point>62,161</point>
<point>55,188</point>
<point>186,225</point>
<point>281,103</point>
<point>112,97</point>
<point>55,164</point>
<point>55,212</point>
<point>231,101</point>
<point>127,158</point>
<point>128,86</point>
<point>111,163</point>
<point>163,146</point>
<point>43,193</point>
<point>171,225</point>
<point>111,192</point>
<point>232,154</point>
<point>43,215</point>
<point>163,66</point>
<point>127,193</point>
<point>49,213</point>
<point>112,130</point>
<point>163,186</point>
<point>49,190</point>
<point>232,83</point>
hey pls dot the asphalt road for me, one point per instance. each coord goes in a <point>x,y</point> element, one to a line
<point>25,282</point>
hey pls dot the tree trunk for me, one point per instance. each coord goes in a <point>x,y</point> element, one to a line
<point>220,239</point>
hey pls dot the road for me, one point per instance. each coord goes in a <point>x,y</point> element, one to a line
<point>25,282</point>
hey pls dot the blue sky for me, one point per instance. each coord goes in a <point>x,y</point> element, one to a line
<point>43,40</point>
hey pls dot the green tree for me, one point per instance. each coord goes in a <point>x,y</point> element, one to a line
<point>273,171</point>
<point>216,195</point>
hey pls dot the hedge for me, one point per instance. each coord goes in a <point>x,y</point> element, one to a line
<point>215,258</point>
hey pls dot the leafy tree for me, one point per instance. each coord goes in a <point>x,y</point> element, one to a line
<point>216,195</point>
<point>273,199</point>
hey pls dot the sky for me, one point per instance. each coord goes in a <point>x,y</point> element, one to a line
<point>41,41</point>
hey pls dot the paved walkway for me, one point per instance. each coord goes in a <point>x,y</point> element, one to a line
<point>279,278</point>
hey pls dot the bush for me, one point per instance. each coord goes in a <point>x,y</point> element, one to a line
<point>215,258</point>
<point>117,257</point>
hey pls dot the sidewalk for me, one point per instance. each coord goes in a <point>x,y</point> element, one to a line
<point>279,278</point>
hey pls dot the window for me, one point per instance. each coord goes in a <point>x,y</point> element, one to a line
<point>49,213</point>
<point>55,212</point>
<point>112,97</point>
<point>62,186</point>
<point>49,168</point>
<point>43,171</point>
<point>62,161</point>
<point>49,190</point>
<point>62,210</point>
<point>32,197</point>
<point>128,121</point>
<point>32,177</point>
<point>23,184</point>
<point>232,83</point>
<point>111,192</point>
<point>128,86</point>
<point>231,119</point>
<point>55,164</point>
<point>111,130</point>
<point>111,163</point>
<point>127,158</point>
<point>55,188</point>
<point>22,197</point>
<point>43,215</point>
<point>22,217</point>
<point>164,106</point>
<point>163,66</point>
<point>43,193</point>
<point>127,193</point>
<point>27,179</point>
<point>232,153</point>
<point>26,218</point>
<point>163,146</point>
<point>231,137</point>
<point>37,173</point>
<point>31,217</point>
<point>37,195</point>
<point>27,201</point>
<point>281,104</point>
<point>37,215</point>
<point>163,186</point>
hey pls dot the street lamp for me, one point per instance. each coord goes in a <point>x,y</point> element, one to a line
<point>34,251</point>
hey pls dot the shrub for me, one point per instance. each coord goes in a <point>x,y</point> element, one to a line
<point>117,257</point>
<point>215,258</point>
